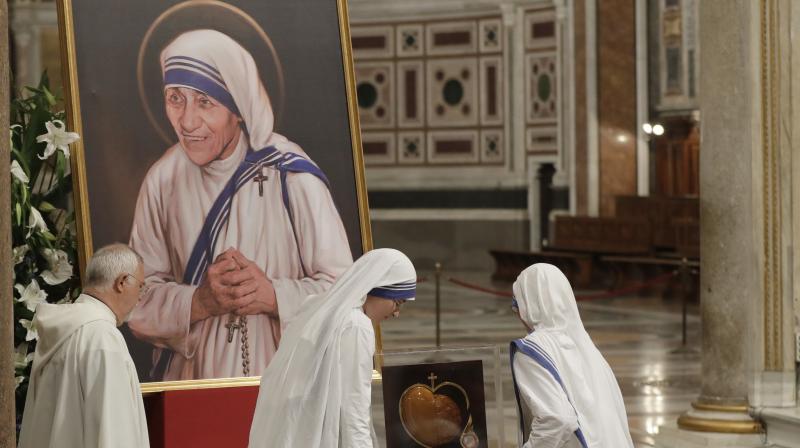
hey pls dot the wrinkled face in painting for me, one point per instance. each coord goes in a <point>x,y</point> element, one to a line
<point>206,129</point>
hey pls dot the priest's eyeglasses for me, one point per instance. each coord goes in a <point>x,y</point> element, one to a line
<point>139,284</point>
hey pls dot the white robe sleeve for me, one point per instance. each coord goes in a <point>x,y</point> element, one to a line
<point>163,315</point>
<point>322,240</point>
<point>113,410</point>
<point>358,346</point>
<point>553,422</point>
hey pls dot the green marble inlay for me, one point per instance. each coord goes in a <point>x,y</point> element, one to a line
<point>367,95</point>
<point>453,92</point>
<point>543,87</point>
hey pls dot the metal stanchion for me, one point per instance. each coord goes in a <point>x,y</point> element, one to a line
<point>684,274</point>
<point>437,356</point>
<point>438,276</point>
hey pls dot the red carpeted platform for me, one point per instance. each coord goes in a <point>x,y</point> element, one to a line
<point>201,418</point>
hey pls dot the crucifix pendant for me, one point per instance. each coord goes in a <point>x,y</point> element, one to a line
<point>260,178</point>
<point>232,325</point>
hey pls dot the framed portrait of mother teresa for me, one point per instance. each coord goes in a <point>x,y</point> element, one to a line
<point>220,140</point>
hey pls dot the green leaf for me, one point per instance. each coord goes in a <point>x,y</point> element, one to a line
<point>60,164</point>
<point>44,81</point>
<point>49,236</point>
<point>18,213</point>
<point>46,207</point>
<point>51,100</point>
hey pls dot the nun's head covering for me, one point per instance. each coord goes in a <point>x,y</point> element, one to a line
<point>215,64</point>
<point>544,298</point>
<point>547,304</point>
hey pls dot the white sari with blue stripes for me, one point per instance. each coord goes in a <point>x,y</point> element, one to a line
<point>317,391</point>
<point>567,394</point>
<point>187,214</point>
<point>301,254</point>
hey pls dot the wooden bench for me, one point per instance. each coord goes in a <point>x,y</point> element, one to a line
<point>664,216</point>
<point>584,234</point>
<point>576,266</point>
<point>626,270</point>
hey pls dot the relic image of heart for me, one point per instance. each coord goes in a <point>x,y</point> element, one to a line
<point>435,405</point>
<point>433,415</point>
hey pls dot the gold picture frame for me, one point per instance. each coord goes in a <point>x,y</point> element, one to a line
<point>75,121</point>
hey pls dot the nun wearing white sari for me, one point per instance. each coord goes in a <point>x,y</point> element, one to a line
<point>236,225</point>
<point>317,390</point>
<point>566,392</point>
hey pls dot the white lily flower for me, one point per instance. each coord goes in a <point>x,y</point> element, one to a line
<point>59,268</point>
<point>19,381</point>
<point>31,295</point>
<point>21,356</point>
<point>57,138</point>
<point>35,220</point>
<point>19,253</point>
<point>18,172</point>
<point>28,325</point>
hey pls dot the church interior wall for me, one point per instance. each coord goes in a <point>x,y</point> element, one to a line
<point>459,243</point>
<point>459,96</point>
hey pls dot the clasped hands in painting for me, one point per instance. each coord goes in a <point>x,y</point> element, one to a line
<point>233,284</point>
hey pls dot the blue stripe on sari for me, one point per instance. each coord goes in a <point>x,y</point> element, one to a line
<point>293,163</point>
<point>535,352</point>
<point>203,252</point>
<point>178,65</point>
<point>395,292</point>
<point>196,61</point>
<point>202,83</point>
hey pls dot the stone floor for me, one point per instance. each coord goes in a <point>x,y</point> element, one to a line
<point>637,335</point>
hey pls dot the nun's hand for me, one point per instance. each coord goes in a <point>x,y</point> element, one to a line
<point>254,293</point>
<point>215,295</point>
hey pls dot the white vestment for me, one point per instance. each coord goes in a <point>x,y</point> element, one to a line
<point>83,391</point>
<point>588,397</point>
<point>316,393</point>
<point>174,200</point>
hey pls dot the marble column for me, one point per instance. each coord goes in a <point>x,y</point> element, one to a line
<point>728,278</point>
<point>7,418</point>
<point>745,223</point>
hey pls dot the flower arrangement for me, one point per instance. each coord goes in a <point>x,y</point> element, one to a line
<point>42,228</point>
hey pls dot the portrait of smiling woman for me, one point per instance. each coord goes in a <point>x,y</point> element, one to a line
<point>224,265</point>
<point>240,147</point>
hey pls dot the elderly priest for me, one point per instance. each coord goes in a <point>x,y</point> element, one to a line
<point>84,390</point>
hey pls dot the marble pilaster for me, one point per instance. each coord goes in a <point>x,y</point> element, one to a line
<point>7,416</point>
<point>616,100</point>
